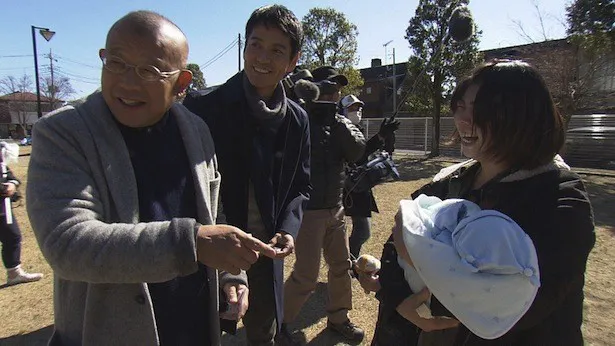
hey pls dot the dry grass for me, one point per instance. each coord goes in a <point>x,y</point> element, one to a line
<point>26,311</point>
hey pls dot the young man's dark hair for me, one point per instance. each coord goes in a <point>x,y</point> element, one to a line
<point>279,17</point>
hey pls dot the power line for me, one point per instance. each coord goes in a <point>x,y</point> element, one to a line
<point>20,56</point>
<point>76,62</point>
<point>15,68</point>
<point>75,74</point>
<point>216,59</point>
<point>78,79</point>
<point>219,55</point>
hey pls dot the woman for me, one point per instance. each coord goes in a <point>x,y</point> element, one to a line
<point>507,124</point>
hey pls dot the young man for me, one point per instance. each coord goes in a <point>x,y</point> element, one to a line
<point>122,197</point>
<point>335,142</point>
<point>262,143</point>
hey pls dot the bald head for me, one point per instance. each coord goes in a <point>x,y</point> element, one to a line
<point>156,27</point>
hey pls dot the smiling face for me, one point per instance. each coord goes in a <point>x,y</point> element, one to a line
<point>133,101</point>
<point>473,139</point>
<point>268,58</point>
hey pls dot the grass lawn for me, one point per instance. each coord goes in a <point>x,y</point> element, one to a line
<point>26,311</point>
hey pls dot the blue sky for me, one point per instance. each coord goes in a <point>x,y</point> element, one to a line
<point>212,25</point>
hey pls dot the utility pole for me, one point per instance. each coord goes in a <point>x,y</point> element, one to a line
<point>52,90</point>
<point>386,68</point>
<point>394,86</point>
<point>239,52</point>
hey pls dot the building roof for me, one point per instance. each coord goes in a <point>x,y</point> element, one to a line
<point>23,97</point>
<point>378,72</point>
<point>512,51</point>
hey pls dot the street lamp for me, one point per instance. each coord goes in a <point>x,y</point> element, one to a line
<point>47,34</point>
<point>394,77</point>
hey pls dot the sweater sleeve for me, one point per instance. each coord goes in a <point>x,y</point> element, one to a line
<point>72,217</point>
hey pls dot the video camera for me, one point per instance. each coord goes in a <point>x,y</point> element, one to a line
<point>375,171</point>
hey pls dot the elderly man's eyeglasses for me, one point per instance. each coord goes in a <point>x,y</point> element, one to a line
<point>148,73</point>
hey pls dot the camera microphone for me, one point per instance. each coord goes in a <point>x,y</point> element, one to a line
<point>460,29</point>
<point>306,90</point>
<point>461,24</point>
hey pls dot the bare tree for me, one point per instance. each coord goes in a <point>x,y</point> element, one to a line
<point>542,31</point>
<point>573,71</point>
<point>20,87</point>
<point>56,90</point>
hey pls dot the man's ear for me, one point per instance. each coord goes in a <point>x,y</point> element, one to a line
<point>183,81</point>
<point>293,63</point>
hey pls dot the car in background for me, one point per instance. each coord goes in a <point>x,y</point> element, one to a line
<point>590,147</point>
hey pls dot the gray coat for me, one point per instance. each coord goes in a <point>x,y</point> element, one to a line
<point>82,203</point>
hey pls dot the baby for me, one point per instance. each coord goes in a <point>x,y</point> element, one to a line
<point>479,263</point>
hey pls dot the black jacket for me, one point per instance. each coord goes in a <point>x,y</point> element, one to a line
<point>335,142</point>
<point>226,112</point>
<point>10,177</point>
<point>552,207</point>
<point>362,203</point>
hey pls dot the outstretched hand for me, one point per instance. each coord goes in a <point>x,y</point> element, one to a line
<point>407,309</point>
<point>228,248</point>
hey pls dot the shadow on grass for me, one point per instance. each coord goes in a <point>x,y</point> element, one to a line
<point>412,168</point>
<point>35,338</point>
<point>327,337</point>
<point>602,196</point>
<point>312,311</point>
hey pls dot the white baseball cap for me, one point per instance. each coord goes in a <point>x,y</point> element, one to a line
<point>349,100</point>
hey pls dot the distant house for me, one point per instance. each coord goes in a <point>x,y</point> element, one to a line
<point>377,91</point>
<point>18,112</point>
<point>578,84</point>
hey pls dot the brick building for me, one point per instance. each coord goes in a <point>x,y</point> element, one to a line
<point>377,91</point>
<point>578,84</point>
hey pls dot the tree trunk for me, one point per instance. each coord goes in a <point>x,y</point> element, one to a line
<point>437,101</point>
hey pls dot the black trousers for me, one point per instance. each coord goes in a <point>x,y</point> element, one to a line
<point>10,237</point>
<point>260,319</point>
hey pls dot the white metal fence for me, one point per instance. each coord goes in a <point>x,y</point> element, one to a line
<point>415,134</point>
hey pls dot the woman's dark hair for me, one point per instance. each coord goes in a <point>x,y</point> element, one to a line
<point>514,107</point>
<point>279,17</point>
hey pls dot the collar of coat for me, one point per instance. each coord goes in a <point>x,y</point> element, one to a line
<point>456,169</point>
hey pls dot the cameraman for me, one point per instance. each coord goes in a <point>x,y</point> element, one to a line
<point>360,204</point>
<point>10,236</point>
<point>335,142</point>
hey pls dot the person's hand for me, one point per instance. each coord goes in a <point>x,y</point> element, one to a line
<point>237,299</point>
<point>283,243</point>
<point>387,127</point>
<point>407,309</point>
<point>9,189</point>
<point>369,281</point>
<point>228,248</point>
<point>398,239</point>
